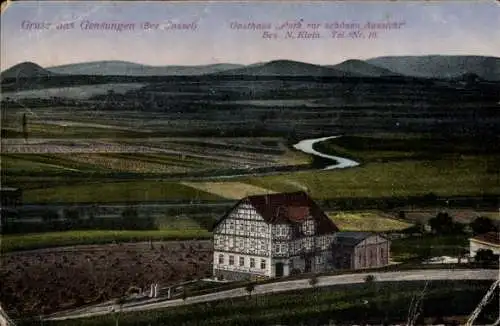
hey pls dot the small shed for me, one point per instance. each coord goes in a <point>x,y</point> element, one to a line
<point>359,250</point>
<point>486,241</point>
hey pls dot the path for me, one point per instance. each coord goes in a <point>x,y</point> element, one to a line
<point>415,275</point>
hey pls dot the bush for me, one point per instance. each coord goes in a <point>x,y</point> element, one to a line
<point>370,278</point>
<point>443,224</point>
<point>486,257</point>
<point>313,281</point>
<point>483,225</point>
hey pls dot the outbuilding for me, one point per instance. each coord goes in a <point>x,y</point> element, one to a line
<point>359,250</point>
<point>486,241</point>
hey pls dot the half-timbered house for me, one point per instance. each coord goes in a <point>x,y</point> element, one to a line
<point>273,235</point>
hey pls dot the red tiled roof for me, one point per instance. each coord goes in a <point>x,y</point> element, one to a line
<point>490,237</point>
<point>290,208</point>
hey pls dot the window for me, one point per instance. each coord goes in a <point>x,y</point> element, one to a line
<point>262,264</point>
<point>221,259</point>
<point>252,262</point>
<point>308,227</point>
<point>242,261</point>
<point>382,252</point>
<point>231,260</point>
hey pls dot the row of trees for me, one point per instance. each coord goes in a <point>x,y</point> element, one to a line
<point>443,224</point>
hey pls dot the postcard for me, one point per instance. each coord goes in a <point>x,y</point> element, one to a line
<point>250,163</point>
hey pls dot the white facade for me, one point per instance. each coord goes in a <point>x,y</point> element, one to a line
<point>245,244</point>
<point>243,237</point>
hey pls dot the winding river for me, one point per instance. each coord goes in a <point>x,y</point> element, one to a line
<point>307,146</point>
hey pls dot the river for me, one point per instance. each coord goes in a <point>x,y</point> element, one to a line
<point>307,146</point>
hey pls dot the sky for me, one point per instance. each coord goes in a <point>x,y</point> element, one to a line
<point>431,27</point>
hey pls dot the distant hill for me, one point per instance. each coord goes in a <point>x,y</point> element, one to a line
<point>285,68</point>
<point>441,66</point>
<point>124,68</point>
<point>25,70</point>
<point>362,68</point>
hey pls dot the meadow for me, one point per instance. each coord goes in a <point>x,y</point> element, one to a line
<point>367,221</point>
<point>365,303</point>
<point>466,176</point>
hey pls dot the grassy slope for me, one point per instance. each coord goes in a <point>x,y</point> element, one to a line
<point>467,176</point>
<point>345,304</point>
<point>118,192</point>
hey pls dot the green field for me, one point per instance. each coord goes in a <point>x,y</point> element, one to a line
<point>366,221</point>
<point>370,302</point>
<point>464,176</point>
<point>392,165</point>
<point>67,238</point>
<point>102,192</point>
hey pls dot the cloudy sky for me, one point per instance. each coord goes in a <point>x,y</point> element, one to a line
<point>440,27</point>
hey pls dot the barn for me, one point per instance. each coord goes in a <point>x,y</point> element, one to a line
<point>359,250</point>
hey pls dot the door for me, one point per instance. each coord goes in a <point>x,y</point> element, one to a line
<point>279,269</point>
<point>308,265</point>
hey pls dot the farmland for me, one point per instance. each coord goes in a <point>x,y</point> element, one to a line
<point>444,176</point>
<point>179,129</point>
<point>72,92</point>
<point>35,282</point>
<point>378,302</point>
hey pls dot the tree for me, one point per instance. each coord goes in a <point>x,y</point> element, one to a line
<point>250,287</point>
<point>185,294</point>
<point>430,198</point>
<point>130,217</point>
<point>486,257</point>
<point>119,302</point>
<point>71,214</point>
<point>442,223</point>
<point>370,278</point>
<point>25,127</point>
<point>49,215</point>
<point>483,225</point>
<point>313,281</point>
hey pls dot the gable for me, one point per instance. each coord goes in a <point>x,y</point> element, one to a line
<point>242,211</point>
<point>285,208</point>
